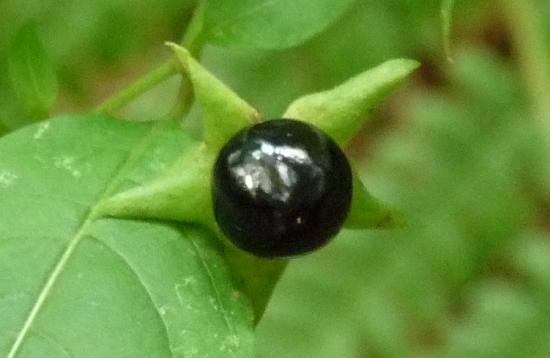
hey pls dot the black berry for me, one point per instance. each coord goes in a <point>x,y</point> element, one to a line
<point>281,188</point>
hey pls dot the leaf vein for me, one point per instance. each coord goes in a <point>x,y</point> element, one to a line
<point>125,165</point>
<point>147,290</point>
<point>213,285</point>
<point>54,342</point>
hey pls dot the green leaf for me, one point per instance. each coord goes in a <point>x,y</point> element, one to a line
<point>342,111</point>
<point>446,24</point>
<point>3,129</point>
<point>31,72</point>
<point>225,112</point>
<point>269,24</point>
<point>75,284</point>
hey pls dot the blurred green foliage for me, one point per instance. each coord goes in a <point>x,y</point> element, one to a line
<point>458,149</point>
<point>31,72</point>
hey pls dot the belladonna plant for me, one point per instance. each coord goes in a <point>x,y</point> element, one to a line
<point>108,223</point>
<point>183,192</point>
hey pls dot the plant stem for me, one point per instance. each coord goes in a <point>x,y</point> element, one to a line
<point>192,37</point>
<point>446,13</point>
<point>168,68</point>
<point>140,86</point>
<point>532,56</point>
<point>193,43</point>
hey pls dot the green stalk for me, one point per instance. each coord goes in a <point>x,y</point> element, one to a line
<point>193,43</point>
<point>191,40</point>
<point>446,13</point>
<point>140,86</point>
<point>532,55</point>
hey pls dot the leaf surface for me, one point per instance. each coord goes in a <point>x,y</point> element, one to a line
<point>73,284</point>
<point>269,24</point>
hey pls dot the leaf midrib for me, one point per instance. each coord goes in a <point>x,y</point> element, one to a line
<point>130,160</point>
<point>46,289</point>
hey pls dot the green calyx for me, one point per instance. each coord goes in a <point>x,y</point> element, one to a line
<point>342,111</point>
<point>183,192</point>
<point>225,113</point>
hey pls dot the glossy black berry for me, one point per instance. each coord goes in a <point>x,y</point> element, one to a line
<point>281,188</point>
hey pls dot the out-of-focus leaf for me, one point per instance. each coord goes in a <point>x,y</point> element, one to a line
<point>269,24</point>
<point>77,284</point>
<point>487,80</point>
<point>31,72</point>
<point>3,129</point>
<point>532,258</point>
<point>500,321</point>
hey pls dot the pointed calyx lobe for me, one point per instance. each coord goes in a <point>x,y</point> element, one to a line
<point>183,192</point>
<point>342,111</point>
<point>225,113</point>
